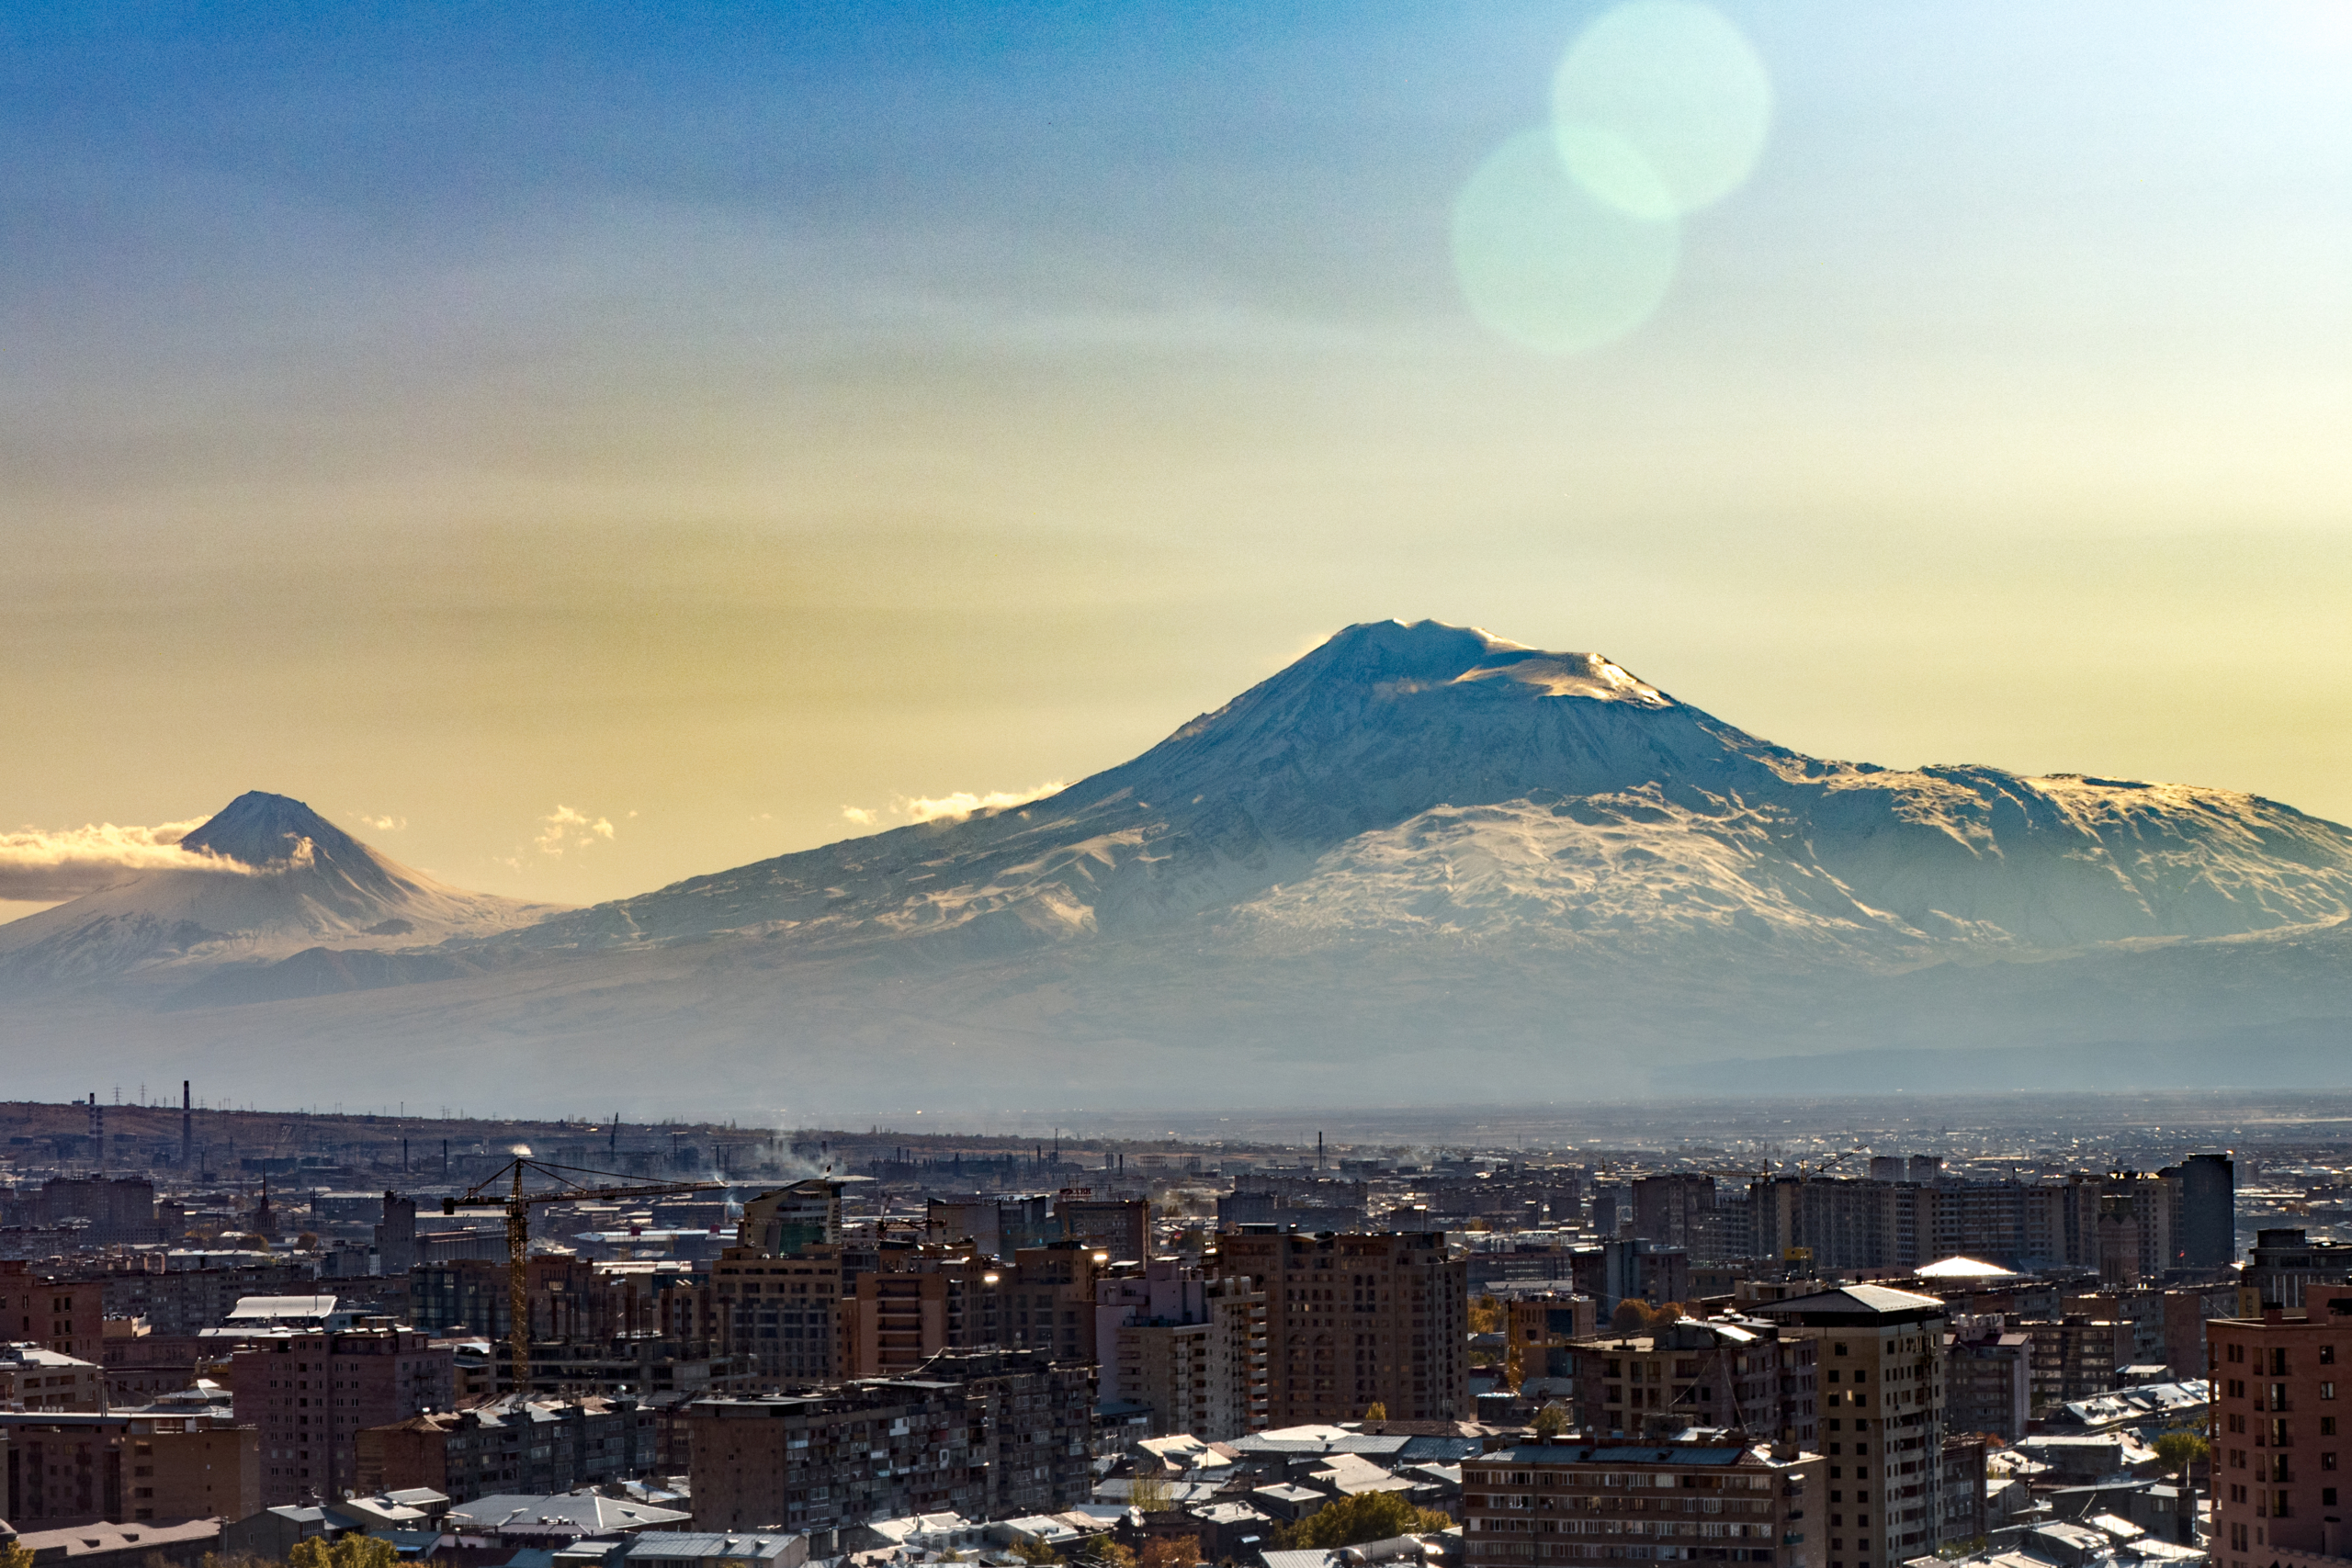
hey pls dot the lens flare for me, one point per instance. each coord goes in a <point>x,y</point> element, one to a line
<point>1660,108</point>
<point>1543,262</point>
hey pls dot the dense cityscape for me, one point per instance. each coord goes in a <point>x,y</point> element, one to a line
<point>1959,1337</point>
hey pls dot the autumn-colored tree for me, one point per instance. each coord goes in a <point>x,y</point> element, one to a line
<point>1181,1552</point>
<point>1351,1521</point>
<point>12,1555</point>
<point>1486,1316</point>
<point>1633,1316</point>
<point>1151,1494</point>
<point>1109,1553</point>
<point>1376,1411</point>
<point>1035,1552</point>
<point>1551,1421</point>
<point>354,1550</point>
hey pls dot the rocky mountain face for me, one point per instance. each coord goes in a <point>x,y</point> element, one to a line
<point>287,880</point>
<point>1421,862</point>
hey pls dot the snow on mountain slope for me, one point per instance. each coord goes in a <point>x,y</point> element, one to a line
<point>1435,778</point>
<point>291,881</point>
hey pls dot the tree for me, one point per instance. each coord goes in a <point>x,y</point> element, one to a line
<point>1486,1316</point>
<point>2181,1448</point>
<point>1632,1316</point>
<point>1035,1552</point>
<point>1551,1421</point>
<point>12,1555</point>
<point>1376,1411</point>
<point>1109,1553</point>
<point>1151,1494</point>
<point>353,1551</point>
<point>1351,1521</point>
<point>1180,1552</point>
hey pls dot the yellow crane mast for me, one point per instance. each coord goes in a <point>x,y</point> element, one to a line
<point>517,1203</point>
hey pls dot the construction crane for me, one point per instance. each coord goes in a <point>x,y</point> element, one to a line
<point>517,1205</point>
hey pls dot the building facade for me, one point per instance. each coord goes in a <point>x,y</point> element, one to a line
<point>68,1467</point>
<point>1355,1321</point>
<point>309,1395</point>
<point>1712,1498</point>
<point>1880,1357</point>
<point>1187,1346</point>
<point>988,1435</point>
<point>2279,1384</point>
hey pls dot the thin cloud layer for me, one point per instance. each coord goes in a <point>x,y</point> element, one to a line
<point>960,804</point>
<point>44,865</point>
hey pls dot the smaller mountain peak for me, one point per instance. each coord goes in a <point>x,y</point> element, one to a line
<point>260,828</point>
<point>1423,650</point>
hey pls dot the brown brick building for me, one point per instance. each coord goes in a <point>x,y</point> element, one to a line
<point>63,1469</point>
<point>1353,1321</point>
<point>311,1395</point>
<point>2280,1383</point>
<point>1712,1499</point>
<point>65,1316</point>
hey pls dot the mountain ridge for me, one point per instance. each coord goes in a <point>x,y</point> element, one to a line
<point>1418,855</point>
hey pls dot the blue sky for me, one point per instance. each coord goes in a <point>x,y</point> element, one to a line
<point>733,415</point>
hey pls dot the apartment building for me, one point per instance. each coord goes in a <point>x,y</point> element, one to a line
<point>66,1468</point>
<point>2276,1432</point>
<point>1354,1321</point>
<point>1187,1346</point>
<point>35,1378</point>
<point>311,1395</point>
<point>1880,1360</point>
<point>65,1316</point>
<point>992,1434</point>
<point>1751,1377</point>
<point>1706,1498</point>
<point>535,1447</point>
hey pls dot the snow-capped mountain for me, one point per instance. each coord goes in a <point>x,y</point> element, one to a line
<point>285,879</point>
<point>1421,862</point>
<point>1433,779</point>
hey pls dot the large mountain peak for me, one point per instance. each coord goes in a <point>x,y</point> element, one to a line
<point>258,829</point>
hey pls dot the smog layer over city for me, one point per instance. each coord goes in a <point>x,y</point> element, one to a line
<point>1230,786</point>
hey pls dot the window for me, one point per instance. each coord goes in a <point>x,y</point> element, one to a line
<point>2278,1361</point>
<point>2326,1427</point>
<point>2327,1461</point>
<point>1837,1348</point>
<point>2327,1496</point>
<point>2327,1355</point>
<point>2327,1391</point>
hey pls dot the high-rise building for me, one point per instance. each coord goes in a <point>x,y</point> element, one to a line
<point>1709,1496</point>
<point>2275,1405</point>
<point>1354,1321</point>
<point>1188,1347</point>
<point>1880,1367</point>
<point>311,1393</point>
<point>1672,1210</point>
<point>2206,1232</point>
<point>1988,1379</point>
<point>782,1222</point>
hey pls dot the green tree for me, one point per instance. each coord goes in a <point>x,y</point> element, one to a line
<point>1151,1494</point>
<point>1351,1521</point>
<point>1551,1421</point>
<point>349,1551</point>
<point>2181,1448</point>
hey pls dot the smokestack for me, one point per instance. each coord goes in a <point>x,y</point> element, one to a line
<point>98,1130</point>
<point>187,1126</point>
